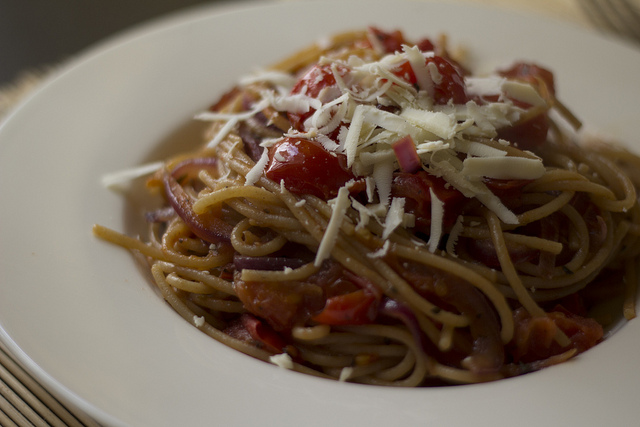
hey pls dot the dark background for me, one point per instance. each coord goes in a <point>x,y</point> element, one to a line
<point>40,33</point>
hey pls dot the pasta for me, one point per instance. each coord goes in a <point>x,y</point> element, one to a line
<point>369,210</point>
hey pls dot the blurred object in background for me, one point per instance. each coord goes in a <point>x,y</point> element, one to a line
<point>40,33</point>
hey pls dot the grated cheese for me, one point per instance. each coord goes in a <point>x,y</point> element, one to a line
<point>116,179</point>
<point>330,236</point>
<point>256,171</point>
<point>439,124</point>
<point>502,168</point>
<point>198,321</point>
<point>282,360</point>
<point>395,216</point>
<point>382,252</point>
<point>454,235</point>
<point>346,120</point>
<point>437,218</point>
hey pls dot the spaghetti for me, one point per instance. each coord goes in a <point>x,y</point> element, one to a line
<point>368,210</point>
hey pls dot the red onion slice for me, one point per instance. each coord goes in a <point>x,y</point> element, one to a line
<point>407,155</point>
<point>402,312</point>
<point>208,227</point>
<point>266,263</point>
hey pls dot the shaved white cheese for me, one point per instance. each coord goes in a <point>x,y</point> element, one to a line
<point>435,74</point>
<point>329,117</point>
<point>383,155</point>
<point>115,179</point>
<point>494,204</point>
<point>377,45</point>
<point>503,167</point>
<point>198,321</point>
<point>382,252</point>
<point>437,217</point>
<point>256,171</point>
<point>232,120</point>
<point>383,175</point>
<point>345,374</point>
<point>223,132</point>
<point>327,143</point>
<point>353,135</point>
<point>282,360</point>
<point>395,216</point>
<point>453,236</point>
<point>484,86</point>
<point>211,116</point>
<point>431,146</point>
<point>419,68</point>
<point>371,184</point>
<point>277,78</point>
<point>297,103</point>
<point>523,92</point>
<point>391,122</point>
<point>438,123</point>
<point>478,149</point>
<point>365,214</point>
<point>340,206</point>
<point>449,167</point>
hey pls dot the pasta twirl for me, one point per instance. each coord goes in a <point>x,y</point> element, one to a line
<point>369,210</point>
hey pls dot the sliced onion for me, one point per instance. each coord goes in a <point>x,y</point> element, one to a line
<point>209,228</point>
<point>242,262</point>
<point>402,312</point>
<point>253,130</point>
<point>407,154</point>
<point>191,167</point>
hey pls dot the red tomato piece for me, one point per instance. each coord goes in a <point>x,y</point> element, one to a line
<point>281,304</point>
<point>529,134</point>
<point>355,308</point>
<point>414,187</point>
<point>307,168</point>
<point>450,87</point>
<point>531,73</point>
<point>319,77</point>
<point>426,45</point>
<point>391,41</point>
<point>534,336</point>
<point>250,329</point>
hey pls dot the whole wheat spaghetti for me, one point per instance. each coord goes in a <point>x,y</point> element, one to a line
<point>371,211</point>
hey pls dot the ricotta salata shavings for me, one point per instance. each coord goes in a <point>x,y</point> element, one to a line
<point>116,179</point>
<point>395,216</point>
<point>454,234</point>
<point>282,360</point>
<point>437,218</point>
<point>502,168</point>
<point>198,321</point>
<point>340,206</point>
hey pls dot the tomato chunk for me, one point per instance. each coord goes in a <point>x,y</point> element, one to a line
<point>355,308</point>
<point>534,337</point>
<point>317,79</point>
<point>281,304</point>
<point>449,86</point>
<point>391,41</point>
<point>414,187</point>
<point>307,168</point>
<point>530,73</point>
<point>529,134</point>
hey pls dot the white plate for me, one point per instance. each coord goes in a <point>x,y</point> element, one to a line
<point>81,315</point>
